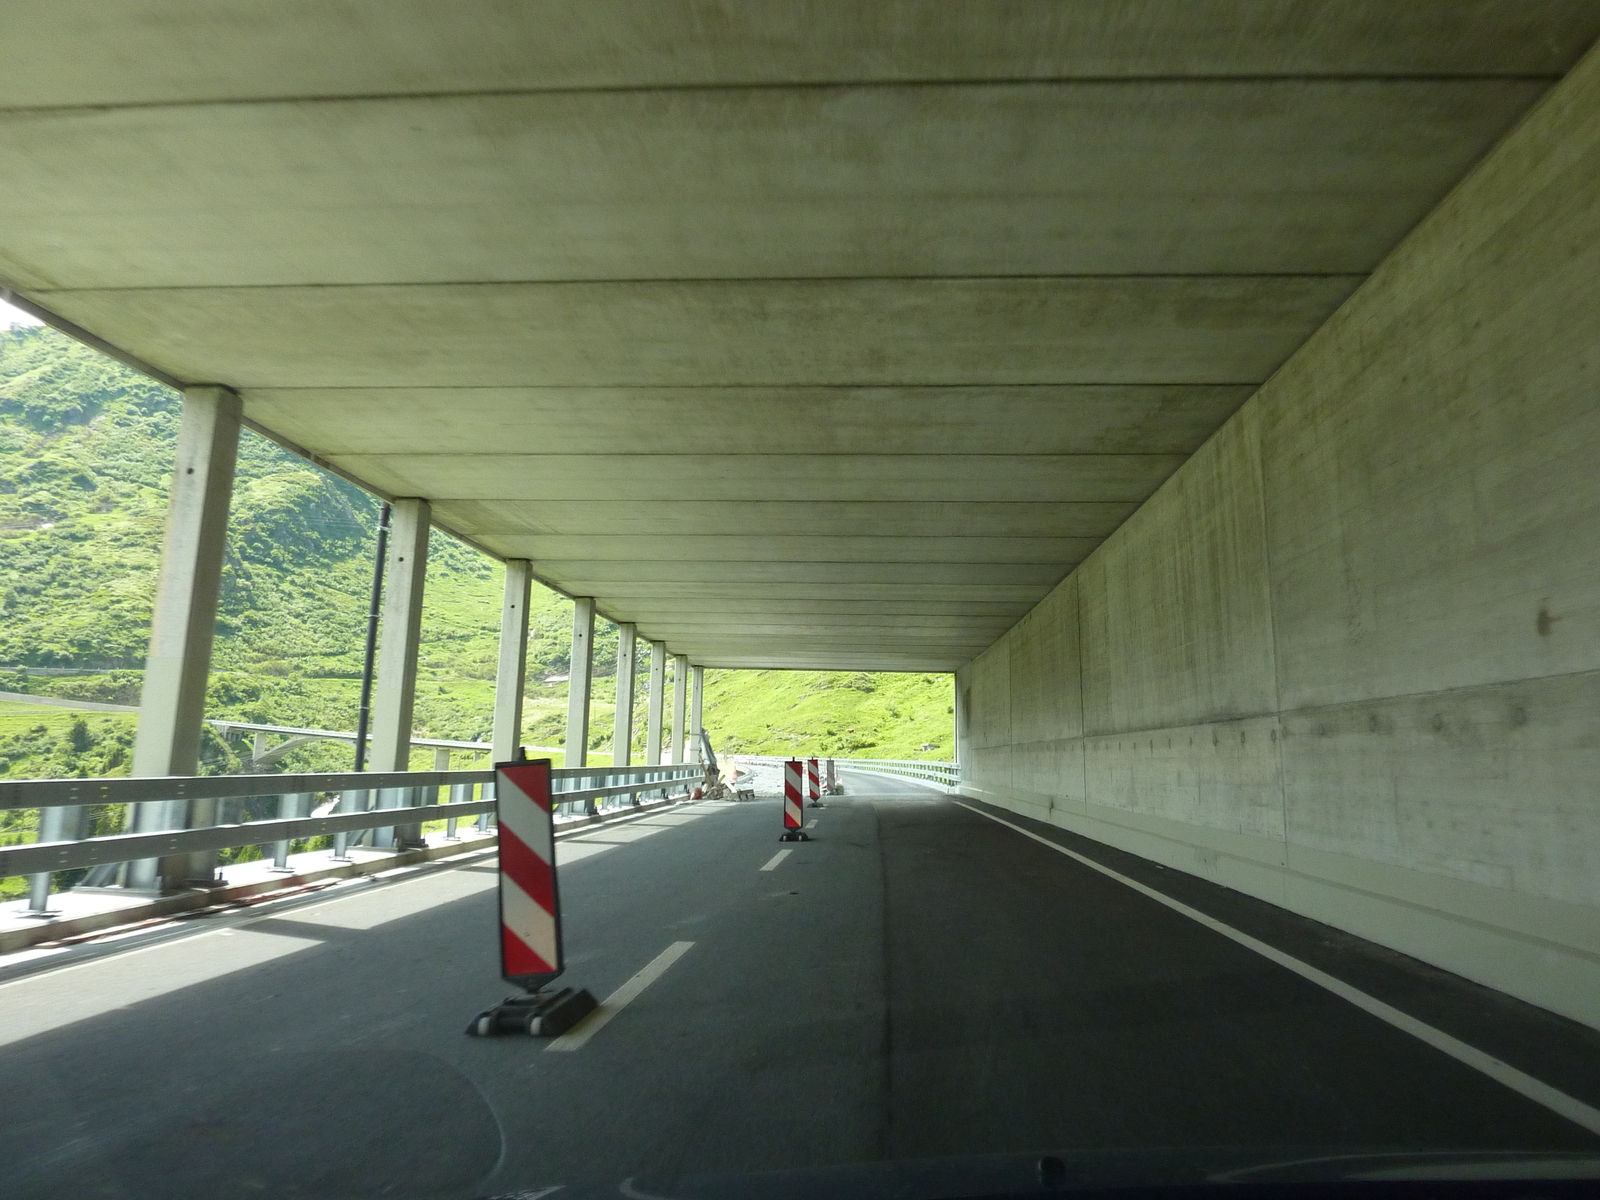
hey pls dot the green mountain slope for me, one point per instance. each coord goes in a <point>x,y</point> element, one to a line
<point>85,453</point>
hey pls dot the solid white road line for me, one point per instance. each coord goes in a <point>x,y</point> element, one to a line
<point>574,1038</point>
<point>1537,1090</point>
<point>812,824</point>
<point>776,859</point>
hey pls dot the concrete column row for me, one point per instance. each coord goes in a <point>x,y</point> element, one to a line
<point>687,683</point>
<point>177,670</point>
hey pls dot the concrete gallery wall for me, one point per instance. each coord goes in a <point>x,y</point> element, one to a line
<point>1348,658</point>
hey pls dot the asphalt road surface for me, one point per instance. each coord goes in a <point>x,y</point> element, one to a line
<point>917,981</point>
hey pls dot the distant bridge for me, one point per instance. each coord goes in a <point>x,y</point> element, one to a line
<point>261,754</point>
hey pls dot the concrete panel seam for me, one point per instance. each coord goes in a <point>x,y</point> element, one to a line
<point>1436,693</point>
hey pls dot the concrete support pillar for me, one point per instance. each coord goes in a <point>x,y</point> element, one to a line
<point>622,731</point>
<point>511,677</point>
<point>396,690</point>
<point>962,715</point>
<point>658,692</point>
<point>172,706</point>
<point>578,681</point>
<point>697,688</point>
<point>680,706</point>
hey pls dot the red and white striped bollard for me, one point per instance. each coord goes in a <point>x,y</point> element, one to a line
<point>793,812</point>
<point>531,952</point>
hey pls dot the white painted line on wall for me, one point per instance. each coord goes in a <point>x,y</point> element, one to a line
<point>776,859</point>
<point>574,1038</point>
<point>1521,1082</point>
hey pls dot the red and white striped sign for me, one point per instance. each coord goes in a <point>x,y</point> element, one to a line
<point>793,818</point>
<point>530,912</point>
<point>813,780</point>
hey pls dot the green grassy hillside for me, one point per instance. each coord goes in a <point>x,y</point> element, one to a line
<point>831,714</point>
<point>85,453</point>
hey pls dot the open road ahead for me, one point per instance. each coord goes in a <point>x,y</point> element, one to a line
<point>920,980</point>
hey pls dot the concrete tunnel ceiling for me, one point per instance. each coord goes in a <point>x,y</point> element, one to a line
<point>825,335</point>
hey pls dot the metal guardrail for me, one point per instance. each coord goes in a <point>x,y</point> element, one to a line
<point>43,857</point>
<point>947,774</point>
<point>363,800</point>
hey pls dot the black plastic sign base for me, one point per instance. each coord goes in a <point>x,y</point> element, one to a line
<point>540,1014</point>
<point>794,835</point>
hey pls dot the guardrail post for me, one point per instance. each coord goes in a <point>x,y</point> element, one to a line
<point>579,670</point>
<point>172,704</point>
<point>295,804</point>
<point>460,793</point>
<point>383,836</point>
<point>680,704</point>
<point>349,802</point>
<point>657,701</point>
<point>397,655</point>
<point>622,727</point>
<point>486,792</point>
<point>53,826</point>
<point>441,762</point>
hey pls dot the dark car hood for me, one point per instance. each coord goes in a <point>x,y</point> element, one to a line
<point>1229,1171</point>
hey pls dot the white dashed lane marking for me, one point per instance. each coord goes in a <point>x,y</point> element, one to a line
<point>585,1029</point>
